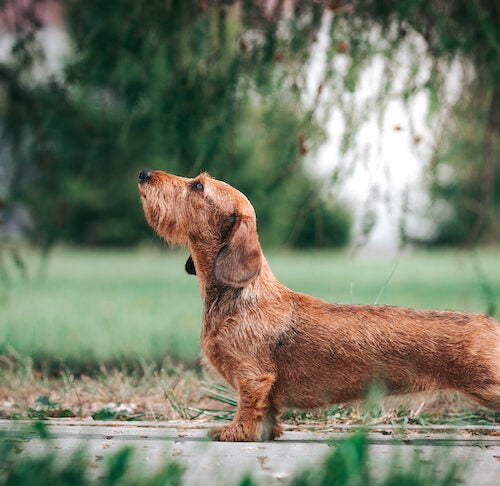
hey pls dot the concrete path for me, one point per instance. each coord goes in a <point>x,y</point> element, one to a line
<point>214,463</point>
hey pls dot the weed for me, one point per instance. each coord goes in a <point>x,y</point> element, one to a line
<point>297,415</point>
<point>116,413</point>
<point>44,408</point>
<point>349,465</point>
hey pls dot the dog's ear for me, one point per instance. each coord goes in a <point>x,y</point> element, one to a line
<point>240,259</point>
<point>189,266</point>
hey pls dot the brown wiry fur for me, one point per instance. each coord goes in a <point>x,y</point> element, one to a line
<point>279,348</point>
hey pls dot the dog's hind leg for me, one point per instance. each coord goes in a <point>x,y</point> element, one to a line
<point>255,419</point>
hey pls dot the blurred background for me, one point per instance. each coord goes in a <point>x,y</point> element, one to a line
<point>366,133</point>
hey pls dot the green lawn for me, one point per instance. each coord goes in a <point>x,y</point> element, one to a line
<point>106,305</point>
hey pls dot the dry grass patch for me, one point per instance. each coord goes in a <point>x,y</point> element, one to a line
<point>107,394</point>
<point>172,392</point>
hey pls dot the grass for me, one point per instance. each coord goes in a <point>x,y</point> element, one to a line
<point>349,464</point>
<point>168,392</point>
<point>20,468</point>
<point>148,393</point>
<point>138,309</point>
<point>103,332</point>
<point>103,306</point>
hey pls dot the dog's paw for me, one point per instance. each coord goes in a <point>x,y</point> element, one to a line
<point>232,433</point>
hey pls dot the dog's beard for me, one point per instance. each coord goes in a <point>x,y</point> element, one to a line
<point>164,218</point>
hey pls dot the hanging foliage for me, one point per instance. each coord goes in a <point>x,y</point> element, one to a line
<point>226,86</point>
<point>180,86</point>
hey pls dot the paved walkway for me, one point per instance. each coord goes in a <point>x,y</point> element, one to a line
<point>214,463</point>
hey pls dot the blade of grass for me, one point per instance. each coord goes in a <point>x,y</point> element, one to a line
<point>386,283</point>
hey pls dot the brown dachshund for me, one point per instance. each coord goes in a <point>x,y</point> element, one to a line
<point>280,348</point>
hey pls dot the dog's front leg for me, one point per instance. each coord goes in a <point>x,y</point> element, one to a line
<point>255,419</point>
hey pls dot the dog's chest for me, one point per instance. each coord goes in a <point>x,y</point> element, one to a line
<point>217,355</point>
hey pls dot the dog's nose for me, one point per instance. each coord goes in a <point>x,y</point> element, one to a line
<point>144,175</point>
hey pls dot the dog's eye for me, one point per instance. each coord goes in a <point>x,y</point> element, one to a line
<point>197,186</point>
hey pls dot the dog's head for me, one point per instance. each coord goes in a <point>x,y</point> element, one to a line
<point>216,220</point>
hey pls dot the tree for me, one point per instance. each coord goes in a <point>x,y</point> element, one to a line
<point>224,86</point>
<point>464,166</point>
<point>181,86</point>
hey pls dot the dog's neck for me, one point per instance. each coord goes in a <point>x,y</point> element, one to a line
<point>225,299</point>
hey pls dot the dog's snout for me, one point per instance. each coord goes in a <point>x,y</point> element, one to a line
<point>144,175</point>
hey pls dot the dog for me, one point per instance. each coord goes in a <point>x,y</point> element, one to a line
<point>278,348</point>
